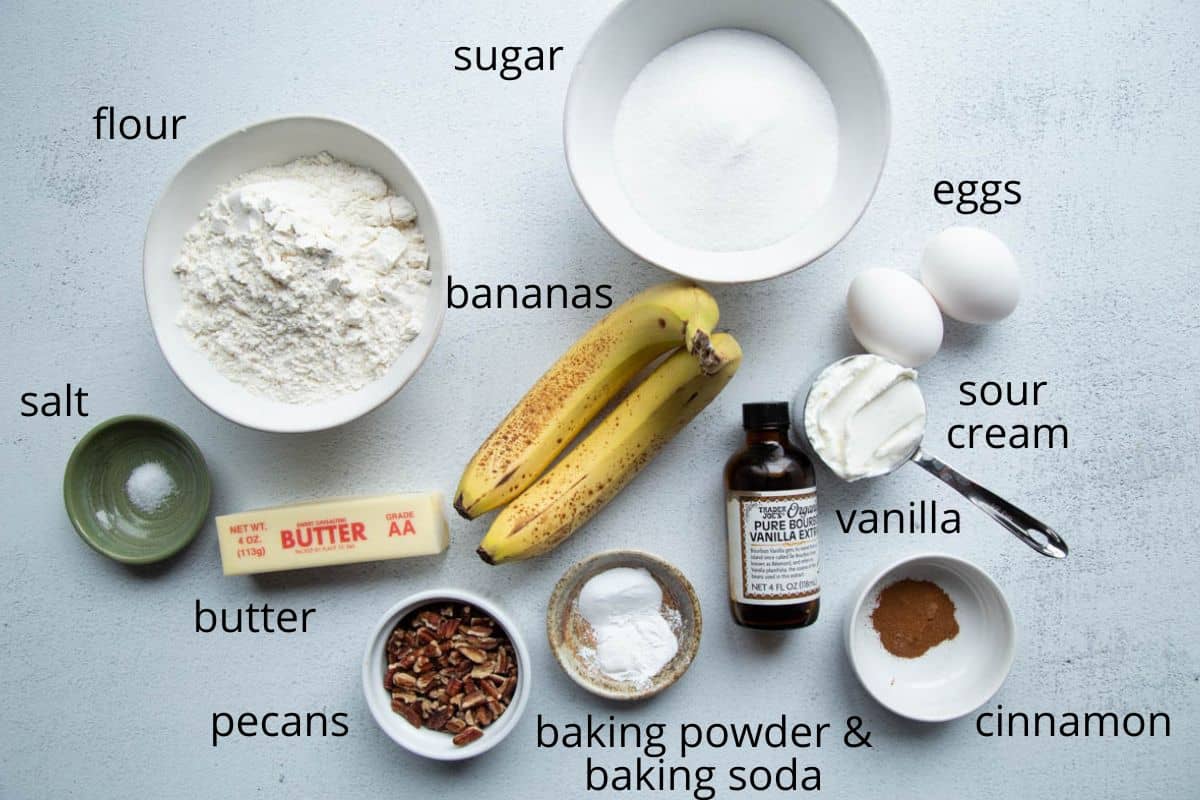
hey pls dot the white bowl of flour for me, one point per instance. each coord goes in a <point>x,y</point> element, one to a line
<point>295,275</point>
<point>727,142</point>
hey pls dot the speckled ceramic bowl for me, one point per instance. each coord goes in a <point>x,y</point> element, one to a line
<point>570,634</point>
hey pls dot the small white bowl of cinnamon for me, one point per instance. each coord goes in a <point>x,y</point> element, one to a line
<point>931,637</point>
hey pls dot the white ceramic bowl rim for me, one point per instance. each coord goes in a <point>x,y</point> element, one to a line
<point>810,243</point>
<point>419,741</point>
<point>868,590</point>
<point>347,407</point>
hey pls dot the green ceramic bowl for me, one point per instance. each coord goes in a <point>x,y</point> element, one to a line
<point>101,508</point>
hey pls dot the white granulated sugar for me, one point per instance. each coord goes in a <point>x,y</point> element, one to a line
<point>305,281</point>
<point>634,640</point>
<point>726,141</point>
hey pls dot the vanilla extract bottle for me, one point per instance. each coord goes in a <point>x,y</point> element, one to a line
<point>771,518</point>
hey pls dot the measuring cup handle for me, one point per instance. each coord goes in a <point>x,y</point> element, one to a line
<point>1022,525</point>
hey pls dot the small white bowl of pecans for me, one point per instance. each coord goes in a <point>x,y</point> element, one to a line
<point>446,674</point>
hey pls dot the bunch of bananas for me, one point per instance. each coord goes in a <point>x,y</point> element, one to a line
<point>544,509</point>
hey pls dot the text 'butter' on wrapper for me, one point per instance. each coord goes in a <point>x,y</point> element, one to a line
<point>342,530</point>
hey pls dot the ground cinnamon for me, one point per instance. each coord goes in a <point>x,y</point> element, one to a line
<point>913,616</point>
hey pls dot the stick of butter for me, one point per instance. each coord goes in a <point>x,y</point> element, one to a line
<point>341,530</point>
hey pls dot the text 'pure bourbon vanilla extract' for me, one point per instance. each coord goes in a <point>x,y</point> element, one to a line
<point>771,507</point>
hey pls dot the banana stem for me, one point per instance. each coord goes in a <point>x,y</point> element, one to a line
<point>700,346</point>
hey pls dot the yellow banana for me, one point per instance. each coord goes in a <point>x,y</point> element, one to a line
<point>572,392</point>
<point>611,455</point>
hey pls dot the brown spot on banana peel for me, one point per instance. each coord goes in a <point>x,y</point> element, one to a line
<point>549,504</point>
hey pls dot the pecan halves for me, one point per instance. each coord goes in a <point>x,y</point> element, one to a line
<point>450,669</point>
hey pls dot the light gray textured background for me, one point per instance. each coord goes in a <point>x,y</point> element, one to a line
<point>1093,106</point>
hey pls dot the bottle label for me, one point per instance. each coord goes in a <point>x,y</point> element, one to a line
<point>773,555</point>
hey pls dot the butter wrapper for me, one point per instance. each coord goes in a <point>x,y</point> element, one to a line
<point>342,530</point>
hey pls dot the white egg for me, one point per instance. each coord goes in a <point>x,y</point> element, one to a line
<point>972,275</point>
<point>892,315</point>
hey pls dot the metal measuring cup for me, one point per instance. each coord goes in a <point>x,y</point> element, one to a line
<point>1030,530</point>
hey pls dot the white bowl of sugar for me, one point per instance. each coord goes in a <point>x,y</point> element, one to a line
<point>727,142</point>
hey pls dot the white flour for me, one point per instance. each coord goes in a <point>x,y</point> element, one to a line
<point>305,281</point>
<point>726,141</point>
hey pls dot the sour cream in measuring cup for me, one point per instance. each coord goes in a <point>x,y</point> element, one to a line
<point>864,416</point>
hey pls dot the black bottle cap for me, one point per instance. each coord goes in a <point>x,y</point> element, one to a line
<point>766,417</point>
